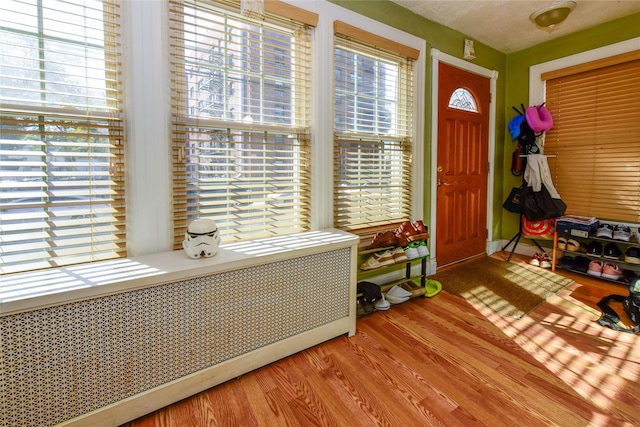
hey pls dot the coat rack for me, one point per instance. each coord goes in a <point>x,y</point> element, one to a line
<point>516,238</point>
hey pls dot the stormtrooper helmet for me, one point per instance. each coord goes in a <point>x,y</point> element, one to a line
<point>201,239</point>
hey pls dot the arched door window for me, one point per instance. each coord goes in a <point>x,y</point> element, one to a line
<point>462,99</point>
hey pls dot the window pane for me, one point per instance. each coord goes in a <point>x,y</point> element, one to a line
<point>373,144</point>
<point>242,122</point>
<point>61,144</point>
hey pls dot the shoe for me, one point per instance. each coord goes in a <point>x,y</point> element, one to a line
<point>629,275</point>
<point>595,268</point>
<point>401,239</point>
<point>574,246</point>
<point>399,255</point>
<point>545,260</point>
<point>632,255</point>
<point>535,260</point>
<point>382,304</point>
<point>581,264</point>
<point>605,230</point>
<point>622,232</point>
<point>611,271</point>
<point>421,232</point>
<point>411,251</point>
<point>594,248</point>
<point>399,292</point>
<point>407,231</point>
<point>378,260</point>
<point>566,262</point>
<point>422,249</point>
<point>637,234</point>
<point>562,243</point>
<point>611,251</point>
<point>396,295</point>
<point>383,239</point>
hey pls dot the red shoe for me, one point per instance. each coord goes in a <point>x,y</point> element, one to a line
<point>420,231</point>
<point>406,231</point>
<point>383,239</point>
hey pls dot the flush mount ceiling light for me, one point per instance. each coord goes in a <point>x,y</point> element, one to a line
<point>550,16</point>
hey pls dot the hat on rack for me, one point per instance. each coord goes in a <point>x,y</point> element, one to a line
<point>539,118</point>
<point>514,126</point>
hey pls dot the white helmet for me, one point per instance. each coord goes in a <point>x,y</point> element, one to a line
<point>201,239</point>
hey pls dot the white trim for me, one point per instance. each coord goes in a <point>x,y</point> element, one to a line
<point>537,86</point>
<point>438,57</point>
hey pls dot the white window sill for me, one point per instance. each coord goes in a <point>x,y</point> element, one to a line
<point>37,289</point>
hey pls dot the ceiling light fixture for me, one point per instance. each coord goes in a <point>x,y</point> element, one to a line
<point>549,16</point>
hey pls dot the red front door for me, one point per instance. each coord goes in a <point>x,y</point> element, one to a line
<point>462,166</point>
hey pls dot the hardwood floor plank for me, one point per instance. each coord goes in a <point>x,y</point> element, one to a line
<point>442,361</point>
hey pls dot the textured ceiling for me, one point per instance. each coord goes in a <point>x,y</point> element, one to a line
<point>505,26</point>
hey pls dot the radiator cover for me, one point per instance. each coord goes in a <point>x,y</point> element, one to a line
<point>64,361</point>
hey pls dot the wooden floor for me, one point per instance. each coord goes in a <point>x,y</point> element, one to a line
<point>442,362</point>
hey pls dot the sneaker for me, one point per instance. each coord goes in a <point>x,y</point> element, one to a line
<point>545,261</point>
<point>605,230</point>
<point>611,271</point>
<point>595,268</point>
<point>377,260</point>
<point>611,251</point>
<point>399,255</point>
<point>594,248</point>
<point>562,243</point>
<point>422,249</point>
<point>535,260</point>
<point>411,251</point>
<point>574,246</point>
<point>622,232</point>
<point>632,255</point>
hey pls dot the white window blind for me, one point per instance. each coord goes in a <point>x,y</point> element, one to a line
<point>240,116</point>
<point>61,143</point>
<point>596,168</point>
<point>373,130</point>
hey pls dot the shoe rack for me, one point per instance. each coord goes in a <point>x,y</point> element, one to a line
<point>417,285</point>
<point>558,253</point>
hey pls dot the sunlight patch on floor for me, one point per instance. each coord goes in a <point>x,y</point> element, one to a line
<point>543,339</point>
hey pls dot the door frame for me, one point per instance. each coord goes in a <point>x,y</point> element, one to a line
<point>436,58</point>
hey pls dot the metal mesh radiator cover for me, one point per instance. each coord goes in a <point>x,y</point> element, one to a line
<point>64,361</point>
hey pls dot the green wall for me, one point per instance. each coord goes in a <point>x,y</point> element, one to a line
<point>517,83</point>
<point>512,83</point>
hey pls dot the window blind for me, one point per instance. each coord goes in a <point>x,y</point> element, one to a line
<point>61,138</point>
<point>240,117</point>
<point>597,165</point>
<point>373,132</point>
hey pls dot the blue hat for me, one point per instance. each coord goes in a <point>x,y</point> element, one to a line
<point>514,126</point>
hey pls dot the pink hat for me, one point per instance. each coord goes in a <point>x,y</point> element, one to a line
<point>539,118</point>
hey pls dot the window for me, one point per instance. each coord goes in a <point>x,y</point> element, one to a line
<point>597,165</point>
<point>61,143</point>
<point>462,99</point>
<point>373,130</point>
<point>240,117</point>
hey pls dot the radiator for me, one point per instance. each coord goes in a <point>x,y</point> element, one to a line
<point>62,362</point>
